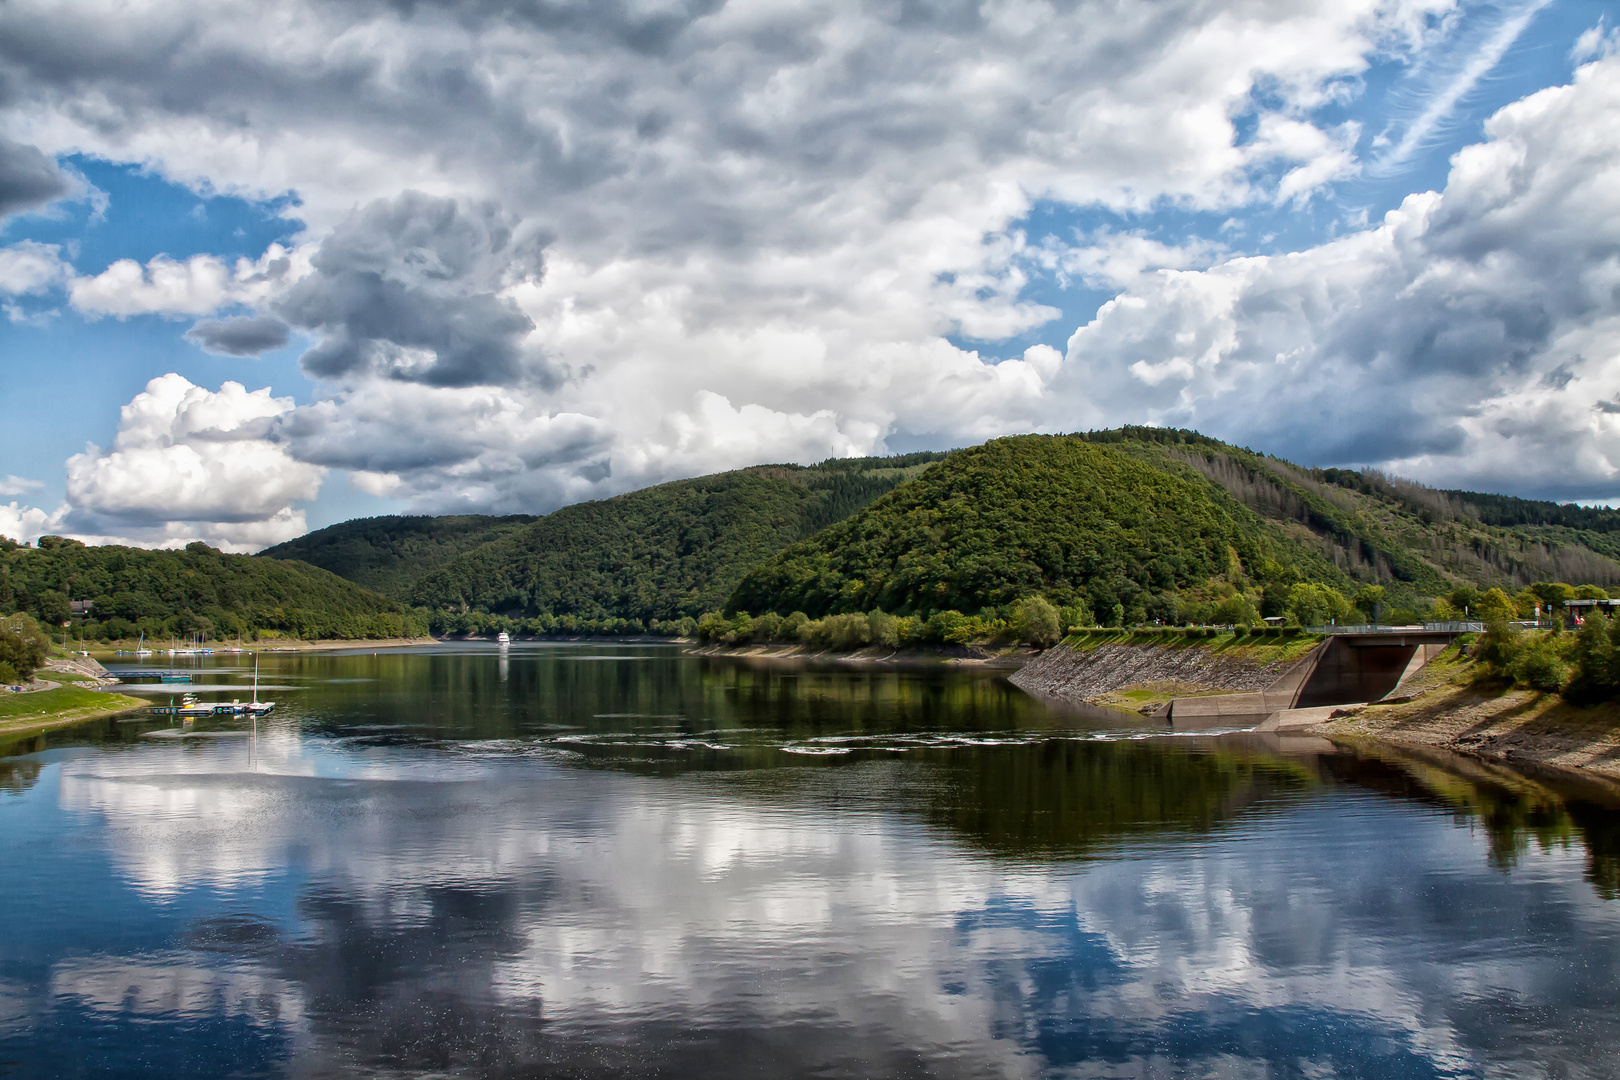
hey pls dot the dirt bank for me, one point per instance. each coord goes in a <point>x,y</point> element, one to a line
<point>1445,707</point>
<point>160,657</point>
<point>977,655</point>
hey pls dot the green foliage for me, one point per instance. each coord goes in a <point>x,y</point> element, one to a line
<point>23,648</point>
<point>1079,523</point>
<point>1037,622</point>
<point>1317,605</point>
<point>1417,542</point>
<point>390,554</point>
<point>1594,655</point>
<point>662,553</point>
<point>198,590</point>
<point>853,630</point>
<point>1538,664</point>
<point>1535,660</point>
<point>1369,599</point>
<point>1495,606</point>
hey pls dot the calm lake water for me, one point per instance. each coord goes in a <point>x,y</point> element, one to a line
<point>621,861</point>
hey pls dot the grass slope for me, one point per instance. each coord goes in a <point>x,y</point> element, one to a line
<point>664,552</point>
<point>197,589</point>
<point>390,554</point>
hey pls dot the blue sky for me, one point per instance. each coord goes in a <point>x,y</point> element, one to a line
<point>504,295</point>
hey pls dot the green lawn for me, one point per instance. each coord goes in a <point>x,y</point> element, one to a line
<point>64,705</point>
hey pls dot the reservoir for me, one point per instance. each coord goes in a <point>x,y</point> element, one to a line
<point>589,860</point>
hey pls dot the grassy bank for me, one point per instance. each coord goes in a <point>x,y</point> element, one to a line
<point>72,702</point>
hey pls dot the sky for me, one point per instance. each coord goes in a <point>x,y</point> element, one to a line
<point>269,265</point>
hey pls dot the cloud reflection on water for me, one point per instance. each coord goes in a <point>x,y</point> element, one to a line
<point>878,918</point>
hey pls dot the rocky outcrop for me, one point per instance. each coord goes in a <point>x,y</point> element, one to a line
<point>1084,674</point>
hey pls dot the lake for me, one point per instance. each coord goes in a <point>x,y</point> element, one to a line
<point>590,860</point>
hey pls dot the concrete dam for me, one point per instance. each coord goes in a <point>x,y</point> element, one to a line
<point>1349,668</point>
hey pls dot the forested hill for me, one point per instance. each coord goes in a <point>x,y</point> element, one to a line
<point>662,553</point>
<point>390,554</point>
<point>1140,524</point>
<point>1416,540</point>
<point>197,590</point>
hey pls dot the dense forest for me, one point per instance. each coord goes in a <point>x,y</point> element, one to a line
<point>195,591</point>
<point>1079,523</point>
<point>1134,525</point>
<point>390,554</point>
<point>657,555</point>
<point>1416,541</point>
<point>1156,525</point>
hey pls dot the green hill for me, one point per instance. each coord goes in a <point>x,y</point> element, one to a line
<point>1146,524</point>
<point>390,554</point>
<point>1418,541</point>
<point>197,590</point>
<point>662,553</point>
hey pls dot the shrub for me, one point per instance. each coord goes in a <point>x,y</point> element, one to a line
<point>1538,665</point>
<point>1595,659</point>
<point>884,629</point>
<point>1037,622</point>
<point>22,645</point>
<point>846,632</point>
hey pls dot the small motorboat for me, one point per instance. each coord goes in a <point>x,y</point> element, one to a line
<point>503,638</point>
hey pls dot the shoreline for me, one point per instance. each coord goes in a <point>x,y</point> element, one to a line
<point>269,645</point>
<point>58,713</point>
<point>1514,727</point>
<point>1010,659</point>
<point>1445,708</point>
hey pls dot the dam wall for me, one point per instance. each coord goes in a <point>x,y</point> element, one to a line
<point>1346,669</point>
<point>1080,675</point>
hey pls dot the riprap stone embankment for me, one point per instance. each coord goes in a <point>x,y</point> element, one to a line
<point>1074,674</point>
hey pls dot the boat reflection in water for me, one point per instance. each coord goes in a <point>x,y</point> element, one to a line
<point>621,861</point>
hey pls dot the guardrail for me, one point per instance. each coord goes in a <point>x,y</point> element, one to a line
<point>1378,628</point>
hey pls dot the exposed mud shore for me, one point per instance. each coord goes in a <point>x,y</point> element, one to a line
<point>1445,707</point>
<point>976,655</point>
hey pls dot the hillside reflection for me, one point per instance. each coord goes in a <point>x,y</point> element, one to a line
<point>622,862</point>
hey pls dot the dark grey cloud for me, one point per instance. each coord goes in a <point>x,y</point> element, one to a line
<point>242,335</point>
<point>27,178</point>
<point>407,288</point>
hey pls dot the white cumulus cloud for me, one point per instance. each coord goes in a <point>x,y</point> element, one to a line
<point>198,286</point>
<point>1473,338</point>
<point>556,251</point>
<point>190,463</point>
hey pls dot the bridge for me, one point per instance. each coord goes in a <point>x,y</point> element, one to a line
<point>1354,666</point>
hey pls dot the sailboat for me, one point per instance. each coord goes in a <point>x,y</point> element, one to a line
<point>257,708</point>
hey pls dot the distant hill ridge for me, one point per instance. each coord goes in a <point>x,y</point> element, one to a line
<point>1158,522</point>
<point>666,552</point>
<point>198,590</point>
<point>389,554</point>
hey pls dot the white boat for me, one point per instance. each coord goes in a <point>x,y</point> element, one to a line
<point>257,707</point>
<point>503,638</point>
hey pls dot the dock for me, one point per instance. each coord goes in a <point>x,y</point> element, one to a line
<point>160,676</point>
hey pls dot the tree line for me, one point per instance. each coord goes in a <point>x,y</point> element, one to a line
<point>195,591</point>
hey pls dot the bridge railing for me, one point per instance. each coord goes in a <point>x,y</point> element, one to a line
<point>1379,628</point>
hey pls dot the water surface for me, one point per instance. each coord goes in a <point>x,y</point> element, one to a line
<point>600,861</point>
